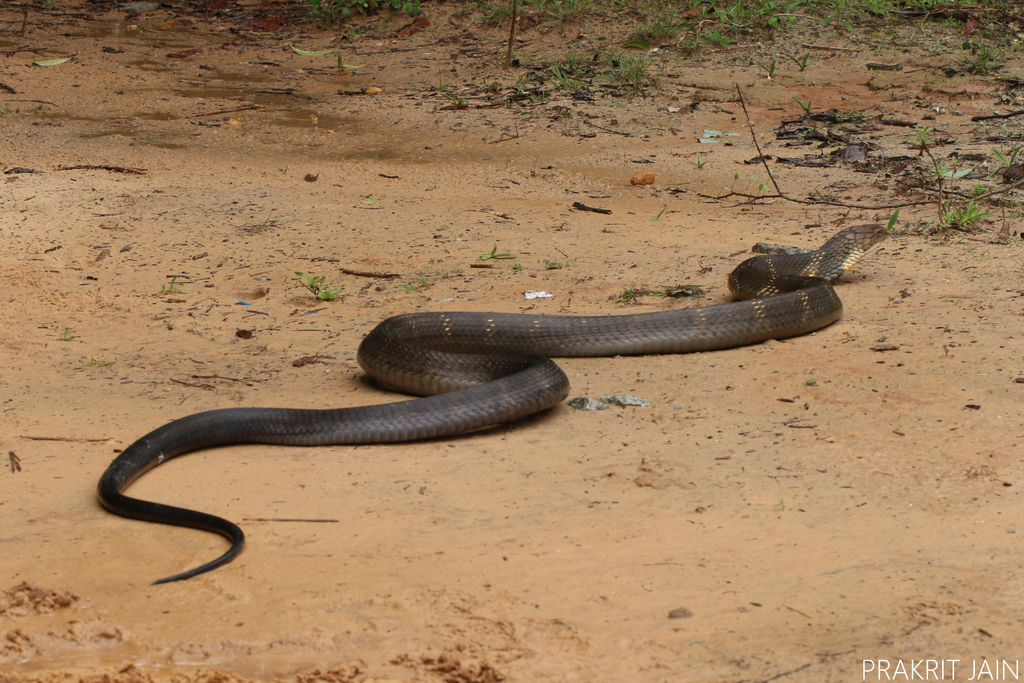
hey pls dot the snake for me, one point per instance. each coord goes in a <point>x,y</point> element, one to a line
<point>476,370</point>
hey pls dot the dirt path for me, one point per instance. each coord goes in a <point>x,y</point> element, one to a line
<point>790,511</point>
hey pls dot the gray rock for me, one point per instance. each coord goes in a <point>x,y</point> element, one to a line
<point>626,400</point>
<point>587,403</point>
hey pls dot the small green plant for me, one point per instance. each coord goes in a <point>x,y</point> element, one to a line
<point>700,161</point>
<point>539,96</point>
<point>718,38</point>
<point>447,274</point>
<point>961,218</point>
<point>923,138</point>
<point>654,30</point>
<point>769,68</point>
<point>630,295</point>
<point>803,61</point>
<point>457,101</point>
<point>174,287</point>
<point>632,72</point>
<point>985,61</point>
<point>317,285</point>
<point>660,214</point>
<point>525,80</point>
<point>564,79</point>
<point>572,61</point>
<point>93,363</point>
<point>551,265</point>
<point>4,110</point>
<point>495,254</point>
<point>680,291</point>
<point>946,171</point>
<point>811,382</point>
<point>496,13</point>
<point>806,106</point>
<point>566,11</point>
<point>518,267</point>
<point>323,13</point>
<point>267,223</point>
<point>65,335</point>
<point>1007,160</point>
<point>416,285</point>
<point>892,221</point>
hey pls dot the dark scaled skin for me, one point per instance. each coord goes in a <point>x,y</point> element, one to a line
<point>481,369</point>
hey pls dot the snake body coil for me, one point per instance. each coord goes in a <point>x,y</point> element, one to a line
<point>481,369</point>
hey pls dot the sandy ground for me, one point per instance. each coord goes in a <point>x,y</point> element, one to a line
<point>795,510</point>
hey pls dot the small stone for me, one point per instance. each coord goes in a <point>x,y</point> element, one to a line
<point>587,403</point>
<point>680,613</point>
<point>642,178</point>
<point>626,400</point>
<point>854,153</point>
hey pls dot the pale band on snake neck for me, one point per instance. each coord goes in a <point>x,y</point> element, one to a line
<point>482,369</point>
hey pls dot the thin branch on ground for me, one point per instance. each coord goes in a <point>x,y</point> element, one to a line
<point>104,167</point>
<point>817,202</point>
<point>246,107</point>
<point>827,202</point>
<point>511,33</point>
<point>1015,112</point>
<point>366,273</point>
<point>753,136</point>
<point>821,201</point>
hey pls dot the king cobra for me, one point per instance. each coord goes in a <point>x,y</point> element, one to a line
<point>482,369</point>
